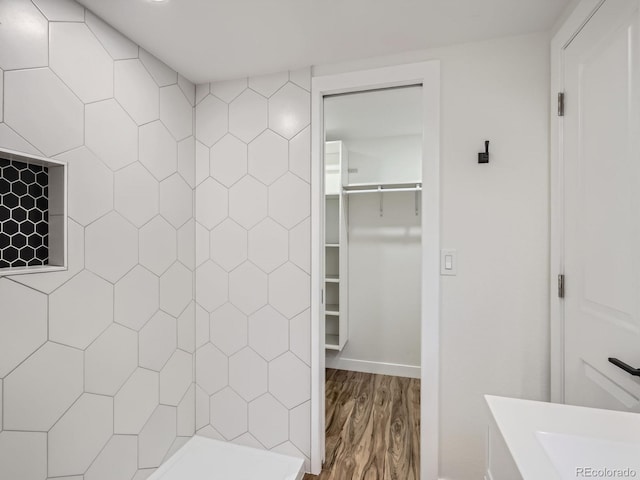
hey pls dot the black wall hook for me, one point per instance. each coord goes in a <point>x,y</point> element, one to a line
<point>483,157</point>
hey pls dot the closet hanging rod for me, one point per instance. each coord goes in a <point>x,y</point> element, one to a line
<point>382,189</point>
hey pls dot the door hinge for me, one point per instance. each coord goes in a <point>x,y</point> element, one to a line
<point>561,104</point>
<point>561,286</point>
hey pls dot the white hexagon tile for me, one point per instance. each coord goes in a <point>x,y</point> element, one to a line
<point>176,112</point>
<point>187,160</point>
<point>228,329</point>
<point>289,290</point>
<point>75,89</point>
<point>267,85</point>
<point>211,203</point>
<point>77,439</point>
<point>158,150</point>
<point>228,160</point>
<point>110,366</point>
<point>24,326</point>
<point>118,459</point>
<point>268,245</point>
<point>211,286</point>
<point>158,340</point>
<point>161,73</point>
<point>289,110</point>
<point>176,289</point>
<point>290,380</point>
<point>248,115</point>
<point>111,247</point>
<point>105,372</point>
<point>248,288</point>
<point>136,194</point>
<point>23,47</point>
<point>176,200</point>
<point>268,157</point>
<point>227,90</point>
<point>229,413</point>
<point>136,298</point>
<point>118,46</point>
<point>23,455</point>
<point>90,191</point>
<point>211,369</point>
<point>268,332</point>
<point>60,10</point>
<point>41,389</point>
<point>136,91</point>
<point>228,245</point>
<point>248,202</point>
<point>289,200</point>
<point>111,134</point>
<point>157,436</point>
<point>262,166</point>
<point>42,109</point>
<point>136,401</point>
<point>175,378</point>
<point>158,245</point>
<point>211,120</point>
<point>80,310</point>
<point>268,421</point>
<point>81,61</point>
<point>248,374</point>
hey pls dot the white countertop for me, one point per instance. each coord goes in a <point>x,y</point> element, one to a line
<point>520,420</point>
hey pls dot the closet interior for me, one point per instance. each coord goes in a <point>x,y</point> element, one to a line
<point>373,185</point>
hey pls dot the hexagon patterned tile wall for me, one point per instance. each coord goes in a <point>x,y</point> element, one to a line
<point>259,163</point>
<point>115,362</point>
<point>76,387</point>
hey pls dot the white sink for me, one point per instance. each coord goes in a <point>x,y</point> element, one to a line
<point>578,457</point>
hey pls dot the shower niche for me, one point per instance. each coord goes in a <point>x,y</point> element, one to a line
<point>33,214</point>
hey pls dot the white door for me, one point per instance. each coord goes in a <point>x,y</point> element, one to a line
<point>602,208</point>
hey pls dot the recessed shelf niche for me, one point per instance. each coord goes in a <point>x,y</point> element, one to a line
<point>33,214</point>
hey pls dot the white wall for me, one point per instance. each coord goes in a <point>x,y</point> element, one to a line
<point>96,373</point>
<point>253,262</point>
<point>389,159</point>
<point>384,286</point>
<point>494,324</point>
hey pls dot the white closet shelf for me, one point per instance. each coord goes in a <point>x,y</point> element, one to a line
<point>332,245</point>
<point>381,187</point>
<point>331,342</point>
<point>332,309</point>
<point>332,279</point>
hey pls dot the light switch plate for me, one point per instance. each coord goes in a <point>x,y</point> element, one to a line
<point>448,262</point>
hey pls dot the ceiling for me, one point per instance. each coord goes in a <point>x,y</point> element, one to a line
<point>374,114</point>
<point>208,40</point>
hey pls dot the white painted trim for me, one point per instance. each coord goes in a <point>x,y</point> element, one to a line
<point>569,29</point>
<point>427,74</point>
<point>380,368</point>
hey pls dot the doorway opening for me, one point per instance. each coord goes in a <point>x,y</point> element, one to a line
<point>372,280</point>
<point>375,272</point>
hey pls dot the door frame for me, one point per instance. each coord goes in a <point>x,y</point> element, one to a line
<point>578,18</point>
<point>428,75</point>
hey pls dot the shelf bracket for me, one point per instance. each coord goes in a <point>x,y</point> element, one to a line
<point>417,195</point>
<point>381,201</point>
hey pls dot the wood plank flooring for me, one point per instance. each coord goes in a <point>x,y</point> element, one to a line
<point>372,427</point>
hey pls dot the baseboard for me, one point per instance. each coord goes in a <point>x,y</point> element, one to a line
<point>381,368</point>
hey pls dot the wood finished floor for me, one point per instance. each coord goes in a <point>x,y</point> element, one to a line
<point>372,427</point>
